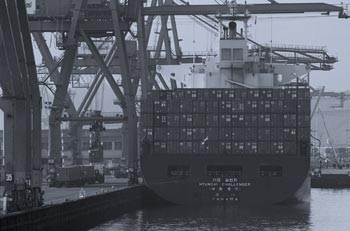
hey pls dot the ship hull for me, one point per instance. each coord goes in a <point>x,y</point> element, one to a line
<point>250,188</point>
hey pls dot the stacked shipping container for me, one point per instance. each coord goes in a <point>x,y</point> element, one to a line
<point>228,121</point>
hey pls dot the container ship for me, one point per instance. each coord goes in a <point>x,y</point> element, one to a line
<point>240,135</point>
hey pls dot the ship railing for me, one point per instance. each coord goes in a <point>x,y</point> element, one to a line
<point>294,47</point>
<point>183,54</point>
<point>314,58</point>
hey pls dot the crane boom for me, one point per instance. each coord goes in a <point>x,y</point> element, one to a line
<point>281,8</point>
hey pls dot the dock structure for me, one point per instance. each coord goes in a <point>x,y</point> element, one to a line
<point>127,27</point>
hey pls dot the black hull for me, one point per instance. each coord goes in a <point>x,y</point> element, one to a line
<point>248,189</point>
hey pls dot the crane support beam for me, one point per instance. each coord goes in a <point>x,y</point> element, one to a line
<point>131,125</point>
<point>117,91</point>
<point>62,86</point>
<point>176,37</point>
<point>121,119</point>
<point>96,83</point>
<point>281,8</point>
<point>143,59</point>
<point>94,27</point>
<point>21,104</point>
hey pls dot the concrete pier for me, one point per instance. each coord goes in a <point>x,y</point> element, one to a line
<point>81,214</point>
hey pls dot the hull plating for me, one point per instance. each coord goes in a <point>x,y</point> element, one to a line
<point>248,189</point>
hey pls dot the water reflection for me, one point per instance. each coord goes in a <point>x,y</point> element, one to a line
<point>214,218</point>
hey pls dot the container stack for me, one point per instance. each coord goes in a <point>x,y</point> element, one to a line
<point>228,121</point>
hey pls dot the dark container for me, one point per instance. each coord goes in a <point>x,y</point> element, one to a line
<point>154,95</point>
<point>186,120</point>
<point>198,120</point>
<point>238,106</point>
<point>160,106</point>
<point>304,93</point>
<point>160,120</point>
<point>178,94</point>
<point>162,95</point>
<point>173,120</point>
<point>225,120</point>
<point>251,120</point>
<point>212,107</point>
<point>160,134</point>
<point>278,94</point>
<point>304,134</point>
<point>206,94</point>
<point>173,147</point>
<point>201,93</point>
<point>238,134</point>
<point>251,106</point>
<point>290,106</point>
<point>147,133</point>
<point>251,134</point>
<point>277,148</point>
<point>264,106</point>
<point>212,147</point>
<point>198,147</point>
<point>212,133</point>
<point>173,134</point>
<point>264,134</point>
<point>198,106</point>
<point>186,134</point>
<point>228,94</point>
<point>225,134</point>
<point>264,148</point>
<point>289,134</point>
<point>225,107</point>
<point>253,94</point>
<point>291,94</point>
<point>290,148</point>
<point>266,94</point>
<point>186,106</point>
<point>198,134</point>
<point>241,94</point>
<point>304,107</point>
<point>264,120</point>
<point>165,95</point>
<point>160,147</point>
<point>289,120</point>
<point>276,120</point>
<point>304,121</point>
<point>185,147</point>
<point>212,120</point>
<point>238,120</point>
<point>277,134</point>
<point>225,148</point>
<point>277,106</point>
<point>251,147</point>
<point>216,94</point>
<point>238,148</point>
<point>190,94</point>
<point>174,106</point>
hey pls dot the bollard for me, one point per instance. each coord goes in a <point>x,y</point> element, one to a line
<point>4,200</point>
<point>82,193</point>
<point>4,204</point>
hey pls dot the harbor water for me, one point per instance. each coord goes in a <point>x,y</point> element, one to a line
<point>328,210</point>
